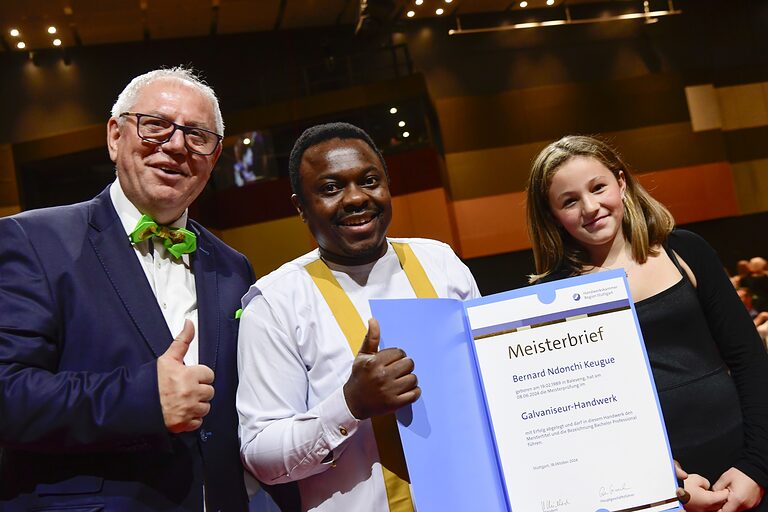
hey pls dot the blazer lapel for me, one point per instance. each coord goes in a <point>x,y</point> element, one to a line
<point>124,271</point>
<point>206,284</point>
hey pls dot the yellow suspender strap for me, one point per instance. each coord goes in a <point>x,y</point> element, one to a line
<point>354,329</point>
<point>414,271</point>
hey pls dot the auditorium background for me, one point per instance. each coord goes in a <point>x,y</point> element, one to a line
<point>460,102</point>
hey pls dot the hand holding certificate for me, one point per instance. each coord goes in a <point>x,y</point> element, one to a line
<point>557,379</point>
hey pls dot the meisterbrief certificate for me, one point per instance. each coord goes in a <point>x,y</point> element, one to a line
<point>568,416</point>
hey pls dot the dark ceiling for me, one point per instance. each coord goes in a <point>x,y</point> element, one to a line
<point>91,22</point>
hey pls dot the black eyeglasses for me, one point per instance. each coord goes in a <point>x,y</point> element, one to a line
<point>157,130</point>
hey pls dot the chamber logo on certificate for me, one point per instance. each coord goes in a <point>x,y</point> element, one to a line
<point>540,399</point>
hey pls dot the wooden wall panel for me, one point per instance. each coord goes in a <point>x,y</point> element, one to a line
<point>729,108</point>
<point>743,106</point>
<point>538,113</point>
<point>423,215</point>
<point>245,16</point>
<point>696,193</point>
<point>751,181</point>
<point>270,244</point>
<point>491,225</point>
<point>703,107</point>
<point>667,146</point>
<point>472,123</point>
<point>414,171</point>
<point>90,137</point>
<point>746,144</point>
<point>326,103</point>
<point>492,171</point>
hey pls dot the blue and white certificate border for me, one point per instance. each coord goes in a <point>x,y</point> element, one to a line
<point>546,294</point>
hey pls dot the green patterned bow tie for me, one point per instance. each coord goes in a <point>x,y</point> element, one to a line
<point>178,241</point>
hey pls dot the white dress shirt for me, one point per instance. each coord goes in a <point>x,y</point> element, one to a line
<point>170,278</point>
<point>293,361</point>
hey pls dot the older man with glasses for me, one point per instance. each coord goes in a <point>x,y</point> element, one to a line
<point>101,408</point>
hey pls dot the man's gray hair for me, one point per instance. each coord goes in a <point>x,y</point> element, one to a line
<point>127,98</point>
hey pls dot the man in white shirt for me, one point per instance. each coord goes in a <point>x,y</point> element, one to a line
<point>315,399</point>
<point>101,409</point>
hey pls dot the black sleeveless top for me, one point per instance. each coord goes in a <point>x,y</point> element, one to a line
<point>709,365</point>
<point>697,395</point>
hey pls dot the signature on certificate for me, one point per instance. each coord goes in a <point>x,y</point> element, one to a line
<point>613,490</point>
<point>553,505</point>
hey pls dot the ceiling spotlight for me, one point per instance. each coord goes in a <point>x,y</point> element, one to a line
<point>401,124</point>
<point>410,14</point>
<point>51,29</point>
<point>419,2</point>
<point>21,45</point>
<point>439,12</point>
<point>57,42</point>
<point>550,2</point>
<point>246,141</point>
<point>406,135</point>
<point>15,32</point>
<point>393,110</point>
<point>523,4</point>
<point>448,1</point>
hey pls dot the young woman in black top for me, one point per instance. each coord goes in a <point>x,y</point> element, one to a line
<point>586,213</point>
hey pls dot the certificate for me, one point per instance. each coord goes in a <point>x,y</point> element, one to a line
<point>538,399</point>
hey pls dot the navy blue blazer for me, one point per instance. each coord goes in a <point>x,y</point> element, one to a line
<point>81,425</point>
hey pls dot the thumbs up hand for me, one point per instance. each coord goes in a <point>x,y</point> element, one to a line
<point>185,391</point>
<point>381,381</point>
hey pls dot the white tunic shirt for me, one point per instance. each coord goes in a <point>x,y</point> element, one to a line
<point>293,361</point>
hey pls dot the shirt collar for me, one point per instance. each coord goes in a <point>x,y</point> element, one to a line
<point>364,268</point>
<point>128,213</point>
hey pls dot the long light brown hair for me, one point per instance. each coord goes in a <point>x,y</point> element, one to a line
<point>646,223</point>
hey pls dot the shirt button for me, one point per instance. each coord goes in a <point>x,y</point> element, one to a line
<point>157,264</point>
<point>165,306</point>
<point>343,431</point>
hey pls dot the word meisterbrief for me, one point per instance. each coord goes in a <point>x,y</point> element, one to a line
<point>569,340</point>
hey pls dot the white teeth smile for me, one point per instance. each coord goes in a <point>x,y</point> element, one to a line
<point>356,223</point>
